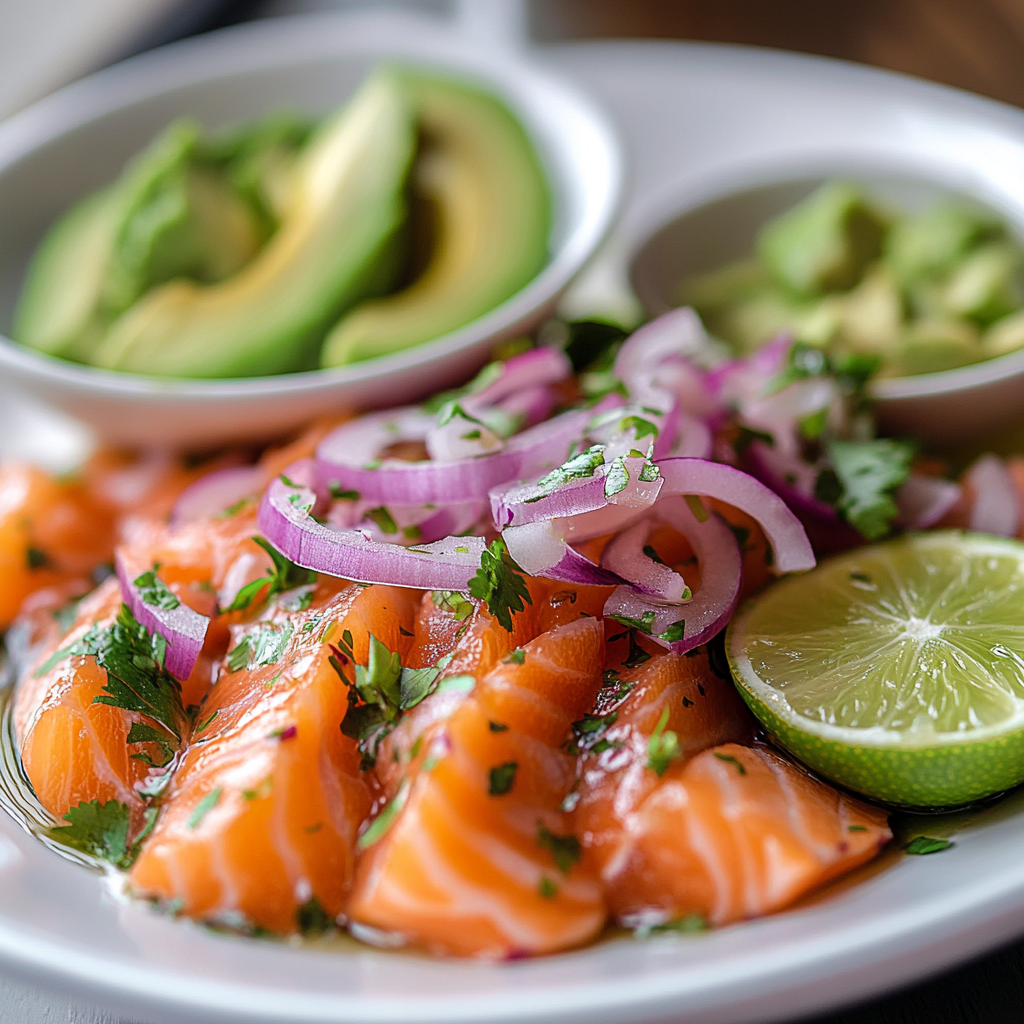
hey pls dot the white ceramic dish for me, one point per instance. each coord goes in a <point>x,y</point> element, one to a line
<point>684,110</point>
<point>78,139</point>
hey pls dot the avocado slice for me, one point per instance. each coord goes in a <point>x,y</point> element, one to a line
<point>166,216</point>
<point>824,243</point>
<point>58,311</point>
<point>337,243</point>
<point>479,172</point>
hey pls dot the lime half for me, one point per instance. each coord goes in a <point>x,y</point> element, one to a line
<point>897,669</point>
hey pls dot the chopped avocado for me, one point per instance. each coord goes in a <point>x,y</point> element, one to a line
<point>824,243</point>
<point>58,312</point>
<point>987,284</point>
<point>746,325</point>
<point>872,313</point>
<point>731,283</point>
<point>337,244</point>
<point>1004,336</point>
<point>929,346</point>
<point>931,243</point>
<point>478,171</point>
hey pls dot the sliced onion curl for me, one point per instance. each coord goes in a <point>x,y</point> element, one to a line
<point>923,500</point>
<point>286,518</point>
<point>217,492</point>
<point>526,455</point>
<point>996,507</point>
<point>673,624</point>
<point>182,628</point>
<point>781,527</point>
<point>408,525</point>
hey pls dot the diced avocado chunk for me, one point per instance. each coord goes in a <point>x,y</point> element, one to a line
<point>824,243</point>
<point>336,244</point>
<point>58,311</point>
<point>987,284</point>
<point>746,325</point>
<point>478,172</point>
<point>1005,336</point>
<point>932,242</point>
<point>929,346</point>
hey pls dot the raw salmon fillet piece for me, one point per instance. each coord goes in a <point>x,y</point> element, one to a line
<point>678,692</point>
<point>736,832</point>
<point>262,816</point>
<point>476,858</point>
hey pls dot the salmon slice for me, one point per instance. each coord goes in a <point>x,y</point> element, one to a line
<point>735,833</point>
<point>473,856</point>
<point>460,628</point>
<point>678,696</point>
<point>51,533</point>
<point>73,749</point>
<point>259,824</point>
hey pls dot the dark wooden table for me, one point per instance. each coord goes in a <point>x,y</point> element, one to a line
<point>973,44</point>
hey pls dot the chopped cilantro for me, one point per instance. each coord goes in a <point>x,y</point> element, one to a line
<point>547,889</point>
<point>339,493</point>
<point>579,467</point>
<point>380,825</point>
<point>263,790</point>
<point>233,510</point>
<point>154,591</point>
<point>133,659</point>
<point>592,344</point>
<point>501,777</point>
<point>453,601</point>
<point>517,657</point>
<point>402,631</point>
<point>617,479</point>
<point>856,828</point>
<point>36,558</point>
<point>637,655</point>
<point>663,747</point>
<point>497,727</point>
<point>498,582</point>
<point>140,732</point>
<point>284,575</point>
<point>813,426</point>
<point>804,361</point>
<point>204,807</point>
<point>689,923</point>
<point>674,633</point>
<point>263,647</point>
<point>642,428</point>
<point>383,518</point>
<point>697,507</point>
<point>742,535</point>
<point>643,623</point>
<point>589,733</point>
<point>868,472</point>
<point>734,761</point>
<point>565,850</point>
<point>746,436</point>
<point>926,844</point>
<point>99,830</point>
<point>653,555</point>
<point>312,919</point>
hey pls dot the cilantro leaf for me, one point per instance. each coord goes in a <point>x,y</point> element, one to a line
<point>101,830</point>
<point>383,518</point>
<point>453,601</point>
<point>312,919</point>
<point>501,777</point>
<point>662,747</point>
<point>565,850</point>
<point>263,647</point>
<point>578,467</point>
<point>498,582</point>
<point>381,825</point>
<point>734,761</point>
<point>920,845</point>
<point>204,807</point>
<point>154,591</point>
<point>868,472</point>
<point>284,574</point>
<point>36,558</point>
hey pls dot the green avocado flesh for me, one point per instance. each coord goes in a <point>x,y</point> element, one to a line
<point>491,216</point>
<point>415,209</point>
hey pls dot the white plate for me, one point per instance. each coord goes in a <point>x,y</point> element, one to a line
<point>684,109</point>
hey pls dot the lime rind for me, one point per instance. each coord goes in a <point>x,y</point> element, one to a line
<point>896,670</point>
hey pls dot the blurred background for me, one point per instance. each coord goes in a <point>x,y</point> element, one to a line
<point>974,44</point>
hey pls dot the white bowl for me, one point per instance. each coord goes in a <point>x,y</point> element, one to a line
<point>708,229</point>
<point>78,139</point>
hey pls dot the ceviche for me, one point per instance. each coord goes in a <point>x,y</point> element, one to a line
<point>486,675</point>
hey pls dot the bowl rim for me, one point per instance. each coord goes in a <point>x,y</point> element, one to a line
<point>678,202</point>
<point>275,44</point>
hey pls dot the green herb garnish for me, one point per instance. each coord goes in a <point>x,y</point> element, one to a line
<point>663,747</point>
<point>284,575</point>
<point>204,807</point>
<point>312,919</point>
<point>155,592</point>
<point>499,583</point>
<point>380,825</point>
<point>734,761</point>
<point>926,844</point>
<point>501,778</point>
<point>565,850</point>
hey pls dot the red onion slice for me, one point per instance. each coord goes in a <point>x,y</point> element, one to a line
<point>784,531</point>
<point>285,519</point>
<point>923,500</point>
<point>681,627</point>
<point>539,550</point>
<point>529,454</point>
<point>182,628</point>
<point>676,333</point>
<point>360,441</point>
<point>625,556</point>
<point>529,369</point>
<point>693,439</point>
<point>996,507</point>
<point>216,492</point>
